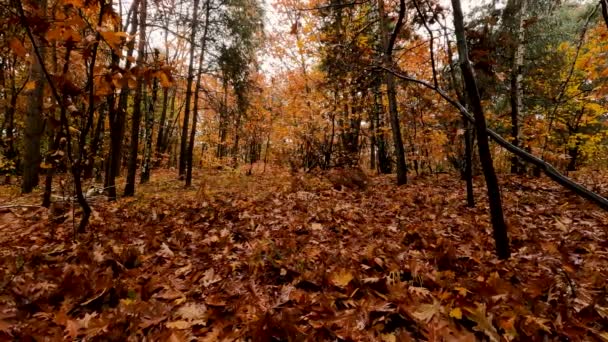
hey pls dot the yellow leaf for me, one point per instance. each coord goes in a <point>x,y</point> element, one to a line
<point>342,278</point>
<point>179,325</point>
<point>456,313</point>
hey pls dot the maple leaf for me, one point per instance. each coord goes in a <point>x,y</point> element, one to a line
<point>341,278</point>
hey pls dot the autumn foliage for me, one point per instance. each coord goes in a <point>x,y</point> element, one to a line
<point>303,170</point>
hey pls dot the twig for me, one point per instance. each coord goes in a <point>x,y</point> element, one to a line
<point>20,206</point>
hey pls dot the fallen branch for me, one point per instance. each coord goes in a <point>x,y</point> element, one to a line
<point>547,168</point>
<point>20,206</point>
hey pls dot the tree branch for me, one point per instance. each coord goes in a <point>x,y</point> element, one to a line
<point>547,168</point>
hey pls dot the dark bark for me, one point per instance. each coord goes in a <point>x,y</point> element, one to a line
<point>498,222</point>
<point>384,164</point>
<point>184,137</point>
<point>161,123</point>
<point>388,44</point>
<point>149,127</point>
<point>372,139</point>
<point>34,121</point>
<point>137,103</point>
<point>118,112</point>
<point>196,95</point>
<point>95,145</point>
<point>468,133</point>
<point>468,160</point>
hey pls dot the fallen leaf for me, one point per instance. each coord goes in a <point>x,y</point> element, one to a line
<point>341,278</point>
<point>456,313</point>
<point>179,325</point>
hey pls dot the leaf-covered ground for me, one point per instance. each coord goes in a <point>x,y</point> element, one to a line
<point>274,257</point>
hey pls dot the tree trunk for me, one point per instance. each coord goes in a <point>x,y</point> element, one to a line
<point>161,123</point>
<point>372,139</point>
<point>196,94</point>
<point>223,124</point>
<point>498,222</point>
<point>149,127</point>
<point>118,112</point>
<point>95,145</point>
<point>468,160</point>
<point>137,102</point>
<point>516,85</point>
<point>388,44</point>
<point>384,165</point>
<point>184,137</point>
<point>34,121</point>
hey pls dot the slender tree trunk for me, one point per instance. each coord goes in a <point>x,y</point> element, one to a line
<point>196,94</point>
<point>168,131</point>
<point>183,143</point>
<point>137,102</point>
<point>11,152</point>
<point>163,115</point>
<point>237,136</point>
<point>223,129</point>
<point>34,121</point>
<point>516,86</point>
<point>384,165</point>
<point>161,123</point>
<point>118,112</point>
<point>468,160</point>
<point>388,44</point>
<point>149,127</point>
<point>372,139</point>
<point>468,128</point>
<point>95,145</point>
<point>498,222</point>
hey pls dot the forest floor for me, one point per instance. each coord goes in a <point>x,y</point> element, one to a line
<point>273,257</point>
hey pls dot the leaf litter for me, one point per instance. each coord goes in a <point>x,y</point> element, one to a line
<point>267,258</point>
